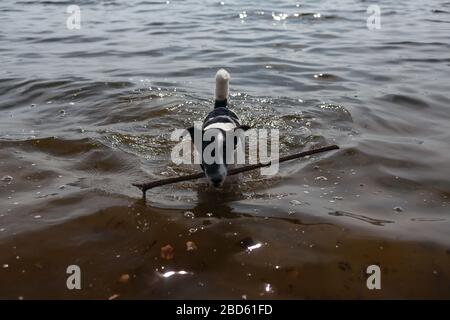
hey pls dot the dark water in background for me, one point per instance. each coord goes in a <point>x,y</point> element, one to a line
<point>84,113</point>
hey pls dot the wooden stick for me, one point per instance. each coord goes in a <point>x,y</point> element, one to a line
<point>152,184</point>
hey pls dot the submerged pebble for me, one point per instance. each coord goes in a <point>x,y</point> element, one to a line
<point>191,246</point>
<point>124,278</point>
<point>167,252</point>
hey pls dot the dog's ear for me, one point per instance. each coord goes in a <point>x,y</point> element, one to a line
<point>243,127</point>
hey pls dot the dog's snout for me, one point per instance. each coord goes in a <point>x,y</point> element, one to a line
<point>216,182</point>
<point>216,174</point>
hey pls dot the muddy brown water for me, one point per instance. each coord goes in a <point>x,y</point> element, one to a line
<point>85,113</point>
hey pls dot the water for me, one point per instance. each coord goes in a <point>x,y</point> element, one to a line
<point>84,113</point>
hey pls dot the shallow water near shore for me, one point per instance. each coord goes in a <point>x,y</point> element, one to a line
<point>85,113</point>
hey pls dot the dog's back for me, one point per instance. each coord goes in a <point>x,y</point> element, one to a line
<point>217,124</point>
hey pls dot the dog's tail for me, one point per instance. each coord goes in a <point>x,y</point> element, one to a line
<point>221,96</point>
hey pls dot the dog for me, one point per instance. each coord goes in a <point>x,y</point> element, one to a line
<point>220,122</point>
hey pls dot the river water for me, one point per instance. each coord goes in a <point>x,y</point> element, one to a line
<point>86,112</point>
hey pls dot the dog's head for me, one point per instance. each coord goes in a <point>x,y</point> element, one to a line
<point>216,149</point>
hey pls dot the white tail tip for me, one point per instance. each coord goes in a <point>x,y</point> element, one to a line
<point>222,79</point>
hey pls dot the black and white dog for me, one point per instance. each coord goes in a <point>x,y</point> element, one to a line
<point>218,124</point>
